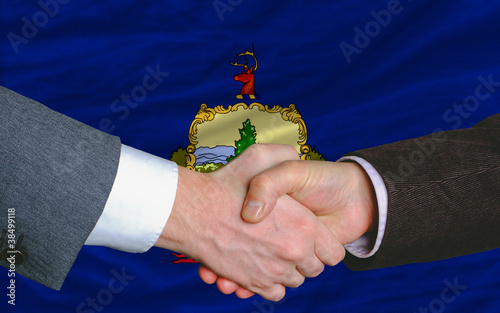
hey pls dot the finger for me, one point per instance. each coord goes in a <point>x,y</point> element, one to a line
<point>294,280</point>
<point>226,286</point>
<point>266,187</point>
<point>327,247</point>
<point>207,275</point>
<point>243,293</point>
<point>274,293</point>
<point>311,267</point>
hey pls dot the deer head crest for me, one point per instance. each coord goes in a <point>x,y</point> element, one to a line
<point>247,76</point>
<point>244,54</point>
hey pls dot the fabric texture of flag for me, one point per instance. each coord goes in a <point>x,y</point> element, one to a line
<point>360,73</point>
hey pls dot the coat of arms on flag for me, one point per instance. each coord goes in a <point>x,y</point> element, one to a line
<point>219,134</point>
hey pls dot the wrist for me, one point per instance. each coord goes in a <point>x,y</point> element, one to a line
<point>368,198</point>
<point>179,232</point>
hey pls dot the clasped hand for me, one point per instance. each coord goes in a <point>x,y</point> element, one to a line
<point>296,217</point>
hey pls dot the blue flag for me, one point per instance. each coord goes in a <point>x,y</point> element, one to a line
<point>337,76</point>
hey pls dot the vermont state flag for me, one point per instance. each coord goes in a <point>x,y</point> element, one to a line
<point>328,77</point>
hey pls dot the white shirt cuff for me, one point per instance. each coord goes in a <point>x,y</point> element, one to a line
<point>139,204</point>
<point>364,247</point>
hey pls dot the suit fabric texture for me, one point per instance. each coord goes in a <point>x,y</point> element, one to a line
<point>56,173</point>
<point>443,195</point>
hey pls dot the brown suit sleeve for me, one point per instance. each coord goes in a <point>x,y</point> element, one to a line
<point>443,195</point>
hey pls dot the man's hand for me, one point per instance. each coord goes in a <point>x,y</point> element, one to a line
<point>206,225</point>
<point>339,193</point>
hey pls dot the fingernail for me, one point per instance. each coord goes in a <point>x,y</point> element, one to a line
<point>252,209</point>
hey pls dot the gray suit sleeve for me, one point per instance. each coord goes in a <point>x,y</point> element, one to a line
<point>56,173</point>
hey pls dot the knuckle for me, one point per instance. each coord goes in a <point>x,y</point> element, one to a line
<point>250,153</point>
<point>313,266</point>
<point>257,152</point>
<point>341,255</point>
<point>289,152</point>
<point>294,252</point>
<point>306,230</point>
<point>277,293</point>
<point>261,181</point>
<point>296,281</point>
<point>331,255</point>
<point>317,270</point>
<point>310,227</point>
<point>277,271</point>
<point>259,285</point>
<point>337,256</point>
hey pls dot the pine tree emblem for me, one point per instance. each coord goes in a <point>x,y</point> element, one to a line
<point>247,138</point>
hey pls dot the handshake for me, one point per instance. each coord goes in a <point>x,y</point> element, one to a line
<point>267,220</point>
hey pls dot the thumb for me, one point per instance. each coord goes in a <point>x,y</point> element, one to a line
<point>265,189</point>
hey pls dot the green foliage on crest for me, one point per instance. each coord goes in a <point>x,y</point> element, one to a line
<point>248,137</point>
